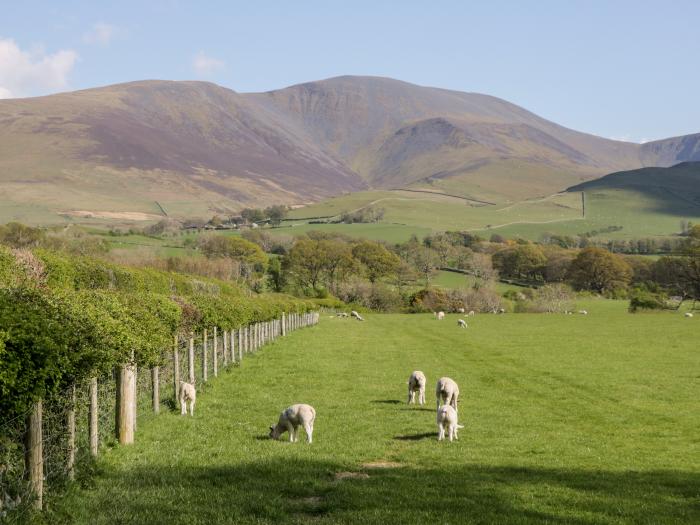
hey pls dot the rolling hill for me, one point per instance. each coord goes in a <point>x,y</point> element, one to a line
<point>139,150</point>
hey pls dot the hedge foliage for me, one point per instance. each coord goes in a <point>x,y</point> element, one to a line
<point>65,317</point>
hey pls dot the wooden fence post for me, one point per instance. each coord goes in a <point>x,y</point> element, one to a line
<point>176,370</point>
<point>93,419</point>
<point>216,351</point>
<point>284,328</point>
<point>155,383</point>
<point>190,360</point>
<point>240,346</point>
<point>126,389</point>
<point>35,454</point>
<point>70,423</point>
<point>225,338</point>
<point>233,346</point>
<point>205,371</point>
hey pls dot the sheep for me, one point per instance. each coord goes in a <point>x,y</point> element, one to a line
<point>461,323</point>
<point>460,310</point>
<point>447,417</point>
<point>471,313</point>
<point>416,383</point>
<point>440,316</point>
<point>688,314</point>
<point>447,390</point>
<point>583,312</point>
<point>356,315</point>
<point>188,394</point>
<point>290,419</point>
<point>342,314</point>
<point>502,311</point>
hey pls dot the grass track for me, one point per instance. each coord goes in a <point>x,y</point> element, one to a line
<point>569,419</point>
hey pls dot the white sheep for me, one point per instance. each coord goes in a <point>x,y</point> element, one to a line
<point>447,417</point>
<point>342,314</point>
<point>461,323</point>
<point>447,390</point>
<point>290,419</point>
<point>688,314</point>
<point>356,315</point>
<point>471,313</point>
<point>416,383</point>
<point>502,311</point>
<point>461,310</point>
<point>188,394</point>
<point>583,312</point>
<point>440,316</point>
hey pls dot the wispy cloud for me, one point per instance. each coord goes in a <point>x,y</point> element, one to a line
<point>630,138</point>
<point>34,72</point>
<point>205,65</point>
<point>100,34</point>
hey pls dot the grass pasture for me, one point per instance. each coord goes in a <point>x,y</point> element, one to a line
<point>568,419</point>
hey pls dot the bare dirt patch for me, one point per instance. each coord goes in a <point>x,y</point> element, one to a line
<point>382,464</point>
<point>339,476</point>
<point>123,215</point>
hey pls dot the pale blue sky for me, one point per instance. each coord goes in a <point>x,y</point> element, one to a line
<point>622,69</point>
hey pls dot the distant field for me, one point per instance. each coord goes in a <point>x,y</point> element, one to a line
<point>568,419</point>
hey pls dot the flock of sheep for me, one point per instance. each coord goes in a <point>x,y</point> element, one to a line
<point>303,415</point>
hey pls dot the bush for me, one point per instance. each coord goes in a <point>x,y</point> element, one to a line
<point>644,299</point>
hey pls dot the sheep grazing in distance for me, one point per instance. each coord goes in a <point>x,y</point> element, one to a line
<point>440,316</point>
<point>688,314</point>
<point>188,394</point>
<point>342,314</point>
<point>583,312</point>
<point>447,390</point>
<point>291,418</point>
<point>502,311</point>
<point>461,323</point>
<point>356,315</point>
<point>471,313</point>
<point>416,383</point>
<point>447,417</point>
<point>460,310</point>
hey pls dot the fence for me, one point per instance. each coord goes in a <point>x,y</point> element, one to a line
<point>55,440</point>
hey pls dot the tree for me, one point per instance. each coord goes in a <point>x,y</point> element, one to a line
<point>599,270</point>
<point>425,261</point>
<point>520,261</point>
<point>246,252</point>
<point>276,214</point>
<point>18,235</point>
<point>306,262</point>
<point>376,260</point>
<point>253,215</point>
<point>276,277</point>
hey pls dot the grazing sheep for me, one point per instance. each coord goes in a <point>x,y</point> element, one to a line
<point>502,311</point>
<point>356,315</point>
<point>460,310</point>
<point>447,390</point>
<point>447,417</point>
<point>461,323</point>
<point>583,312</point>
<point>440,316</point>
<point>342,314</point>
<point>188,394</point>
<point>291,418</point>
<point>471,313</point>
<point>416,383</point>
<point>688,314</point>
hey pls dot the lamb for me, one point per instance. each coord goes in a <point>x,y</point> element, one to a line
<point>440,316</point>
<point>502,311</point>
<point>416,383</point>
<point>342,314</point>
<point>188,394</point>
<point>290,419</point>
<point>461,323</point>
<point>688,314</point>
<point>583,312</point>
<point>471,313</point>
<point>461,310</point>
<point>447,390</point>
<point>356,315</point>
<point>447,417</point>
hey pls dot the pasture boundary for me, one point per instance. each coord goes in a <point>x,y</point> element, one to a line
<point>45,448</point>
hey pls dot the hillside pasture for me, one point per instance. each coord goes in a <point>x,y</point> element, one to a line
<point>568,419</point>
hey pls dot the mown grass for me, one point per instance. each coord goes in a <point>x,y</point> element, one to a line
<point>568,419</point>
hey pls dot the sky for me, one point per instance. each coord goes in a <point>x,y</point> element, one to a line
<point>621,69</point>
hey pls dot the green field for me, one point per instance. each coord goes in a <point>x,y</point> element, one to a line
<point>568,419</point>
<point>638,213</point>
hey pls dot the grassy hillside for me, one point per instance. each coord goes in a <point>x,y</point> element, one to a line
<point>568,419</point>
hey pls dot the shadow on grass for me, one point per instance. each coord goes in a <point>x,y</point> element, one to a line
<point>420,409</point>
<point>296,490</point>
<point>416,437</point>
<point>387,401</point>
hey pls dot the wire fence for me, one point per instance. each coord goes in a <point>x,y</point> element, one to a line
<point>58,439</point>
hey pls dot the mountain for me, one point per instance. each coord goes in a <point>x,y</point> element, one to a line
<point>195,148</point>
